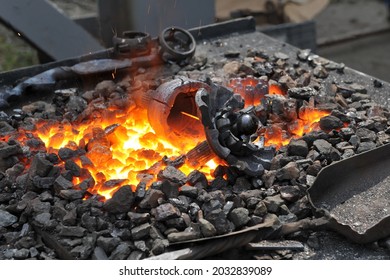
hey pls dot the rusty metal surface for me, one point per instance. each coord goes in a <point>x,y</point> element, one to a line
<point>355,194</point>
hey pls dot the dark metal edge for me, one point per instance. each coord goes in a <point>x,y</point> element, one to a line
<point>377,231</point>
<point>225,28</point>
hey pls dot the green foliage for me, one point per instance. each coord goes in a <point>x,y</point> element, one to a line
<point>14,53</point>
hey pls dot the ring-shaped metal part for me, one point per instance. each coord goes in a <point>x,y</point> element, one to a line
<point>132,41</point>
<point>171,41</point>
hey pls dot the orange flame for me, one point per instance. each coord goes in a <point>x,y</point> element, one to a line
<point>252,90</point>
<point>275,90</point>
<point>278,135</point>
<point>308,121</point>
<point>119,146</point>
<point>189,115</point>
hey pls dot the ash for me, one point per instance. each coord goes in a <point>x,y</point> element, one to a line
<point>365,209</point>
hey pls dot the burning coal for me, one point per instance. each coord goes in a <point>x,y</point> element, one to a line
<point>286,120</point>
<point>115,146</point>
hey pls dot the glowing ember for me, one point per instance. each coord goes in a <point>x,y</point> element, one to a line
<point>275,90</point>
<point>308,121</point>
<point>254,90</point>
<point>278,135</point>
<point>275,136</point>
<point>118,147</point>
<point>189,115</point>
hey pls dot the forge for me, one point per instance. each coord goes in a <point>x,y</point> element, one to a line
<point>122,155</point>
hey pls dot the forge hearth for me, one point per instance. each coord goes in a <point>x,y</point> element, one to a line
<point>216,153</point>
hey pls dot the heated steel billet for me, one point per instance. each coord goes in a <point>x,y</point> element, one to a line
<point>231,130</point>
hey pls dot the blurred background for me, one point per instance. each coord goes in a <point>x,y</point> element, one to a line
<point>355,32</point>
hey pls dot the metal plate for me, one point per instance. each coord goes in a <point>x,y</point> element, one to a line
<point>355,194</point>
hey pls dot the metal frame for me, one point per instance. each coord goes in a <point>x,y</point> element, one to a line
<point>48,30</point>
